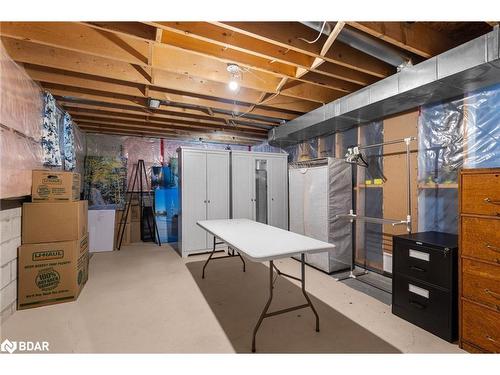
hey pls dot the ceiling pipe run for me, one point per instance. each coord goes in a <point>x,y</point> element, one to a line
<point>365,44</point>
<point>236,119</point>
<point>471,66</point>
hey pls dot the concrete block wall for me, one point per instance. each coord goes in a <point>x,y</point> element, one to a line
<point>10,240</point>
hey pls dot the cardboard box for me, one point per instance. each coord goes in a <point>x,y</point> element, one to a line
<point>55,186</point>
<point>54,222</point>
<point>135,213</point>
<point>135,231</point>
<point>50,273</point>
<point>120,213</point>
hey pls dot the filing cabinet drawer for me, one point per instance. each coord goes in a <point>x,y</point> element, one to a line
<point>424,263</point>
<point>481,326</point>
<point>480,194</point>
<point>426,306</point>
<point>481,238</point>
<point>481,283</point>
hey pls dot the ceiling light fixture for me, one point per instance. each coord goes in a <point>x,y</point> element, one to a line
<point>154,103</point>
<point>233,85</point>
<point>235,72</point>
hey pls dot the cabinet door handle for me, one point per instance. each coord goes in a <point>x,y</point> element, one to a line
<point>418,305</point>
<point>491,247</point>
<point>489,200</point>
<point>492,293</point>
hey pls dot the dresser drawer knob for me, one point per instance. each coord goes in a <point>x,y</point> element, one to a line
<point>488,337</point>
<point>489,200</point>
<point>491,247</point>
<point>491,293</point>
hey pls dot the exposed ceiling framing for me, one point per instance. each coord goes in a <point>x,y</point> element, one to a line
<point>104,73</point>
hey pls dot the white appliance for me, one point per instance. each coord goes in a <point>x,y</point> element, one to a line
<point>101,224</point>
<point>259,187</point>
<point>204,195</point>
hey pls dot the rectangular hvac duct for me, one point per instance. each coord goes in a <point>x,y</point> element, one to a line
<point>470,66</point>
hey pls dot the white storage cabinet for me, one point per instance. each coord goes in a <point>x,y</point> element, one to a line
<point>204,194</point>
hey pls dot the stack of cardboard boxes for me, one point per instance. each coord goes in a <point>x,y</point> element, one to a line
<point>53,258</point>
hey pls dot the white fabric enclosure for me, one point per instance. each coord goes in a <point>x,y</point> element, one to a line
<point>320,189</point>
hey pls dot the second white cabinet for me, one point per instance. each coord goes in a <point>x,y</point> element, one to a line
<point>259,188</point>
<point>204,194</point>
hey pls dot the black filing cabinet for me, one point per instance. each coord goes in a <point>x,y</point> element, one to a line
<point>425,284</point>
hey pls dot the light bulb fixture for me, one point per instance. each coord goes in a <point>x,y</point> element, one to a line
<point>154,103</point>
<point>233,85</point>
<point>235,72</point>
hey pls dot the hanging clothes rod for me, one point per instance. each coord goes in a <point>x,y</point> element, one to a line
<point>395,141</point>
<point>352,216</point>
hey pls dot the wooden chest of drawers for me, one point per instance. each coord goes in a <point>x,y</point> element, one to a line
<point>479,263</point>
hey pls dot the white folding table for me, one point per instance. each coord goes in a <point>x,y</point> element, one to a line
<point>260,242</point>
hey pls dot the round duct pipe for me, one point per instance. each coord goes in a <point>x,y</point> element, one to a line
<point>366,44</point>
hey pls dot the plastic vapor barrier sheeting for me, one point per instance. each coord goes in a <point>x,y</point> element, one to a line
<point>21,109</point>
<point>370,201</point>
<point>266,147</point>
<point>21,104</point>
<point>318,191</point>
<point>464,133</point>
<point>303,151</point>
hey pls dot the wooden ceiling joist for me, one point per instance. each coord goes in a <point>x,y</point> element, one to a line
<point>69,95</point>
<point>162,65</point>
<point>104,73</point>
<point>218,138</point>
<point>164,125</point>
<point>166,129</point>
<point>159,118</point>
<point>239,48</point>
<point>151,63</point>
<point>113,86</point>
<point>170,113</point>
<point>138,30</point>
<point>288,35</point>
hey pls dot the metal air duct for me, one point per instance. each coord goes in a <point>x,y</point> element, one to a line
<point>365,44</point>
<point>470,66</point>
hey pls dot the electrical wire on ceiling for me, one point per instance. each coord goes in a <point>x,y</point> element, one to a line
<point>259,103</point>
<point>319,35</point>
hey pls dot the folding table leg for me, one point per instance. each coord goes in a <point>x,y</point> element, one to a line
<point>208,260</point>
<point>264,312</point>
<point>303,282</point>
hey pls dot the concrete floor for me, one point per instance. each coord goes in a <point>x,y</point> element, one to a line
<point>148,299</point>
